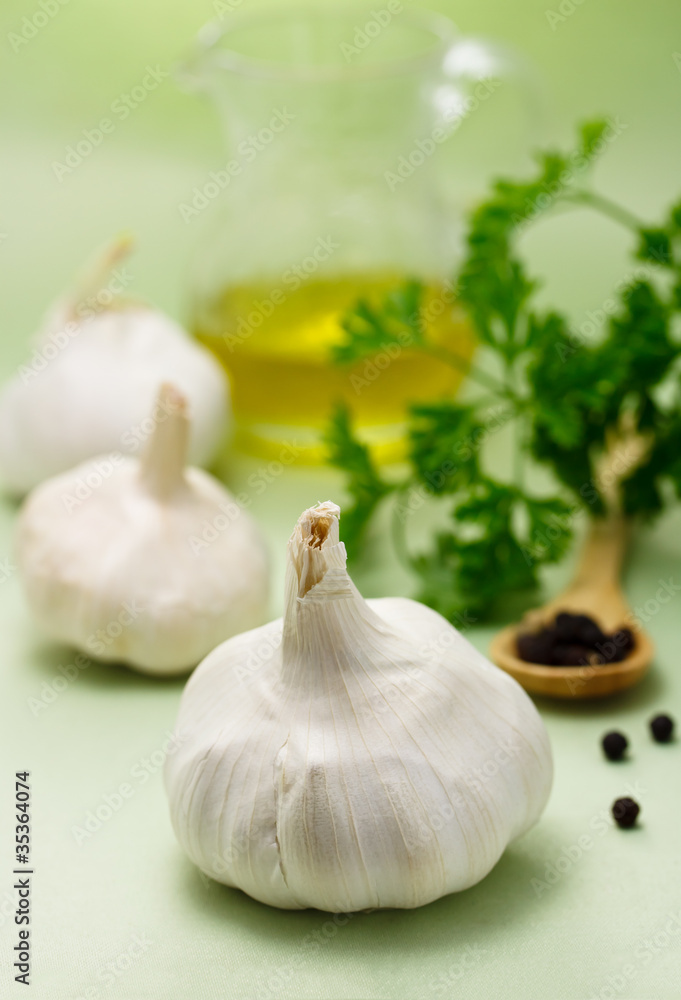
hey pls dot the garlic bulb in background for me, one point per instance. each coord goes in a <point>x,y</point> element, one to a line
<point>142,561</point>
<point>356,753</point>
<point>92,379</point>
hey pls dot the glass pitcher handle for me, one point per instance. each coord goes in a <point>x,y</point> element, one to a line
<point>490,99</point>
<point>474,69</point>
<point>190,74</point>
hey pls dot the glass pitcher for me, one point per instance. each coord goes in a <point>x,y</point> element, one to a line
<point>334,188</point>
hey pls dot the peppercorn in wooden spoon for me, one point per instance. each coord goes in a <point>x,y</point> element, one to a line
<point>594,602</point>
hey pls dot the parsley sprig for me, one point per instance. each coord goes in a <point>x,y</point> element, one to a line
<point>570,403</point>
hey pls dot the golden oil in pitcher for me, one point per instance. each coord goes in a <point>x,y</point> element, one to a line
<point>275,343</point>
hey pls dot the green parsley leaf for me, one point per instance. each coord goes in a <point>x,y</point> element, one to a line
<point>443,449</point>
<point>364,484</point>
<point>370,328</point>
<point>571,399</point>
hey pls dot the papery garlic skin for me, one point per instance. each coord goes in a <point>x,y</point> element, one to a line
<point>122,569</point>
<point>90,386</point>
<point>354,754</point>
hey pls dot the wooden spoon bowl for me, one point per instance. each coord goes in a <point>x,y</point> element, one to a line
<point>595,591</point>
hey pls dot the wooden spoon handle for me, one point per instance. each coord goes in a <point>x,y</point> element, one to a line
<point>602,555</point>
<point>595,589</point>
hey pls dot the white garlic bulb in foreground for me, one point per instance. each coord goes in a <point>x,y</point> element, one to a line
<point>90,383</point>
<point>142,561</point>
<point>355,754</point>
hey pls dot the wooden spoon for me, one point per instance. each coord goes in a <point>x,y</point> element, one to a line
<point>595,591</point>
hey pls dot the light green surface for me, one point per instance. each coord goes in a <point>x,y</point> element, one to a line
<point>130,878</point>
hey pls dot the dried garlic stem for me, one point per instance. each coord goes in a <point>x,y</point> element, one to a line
<point>315,532</point>
<point>162,466</point>
<point>94,277</point>
<point>322,603</point>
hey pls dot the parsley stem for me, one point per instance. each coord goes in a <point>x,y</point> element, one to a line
<point>398,532</point>
<point>520,444</point>
<point>606,206</point>
<point>462,364</point>
<point>518,429</point>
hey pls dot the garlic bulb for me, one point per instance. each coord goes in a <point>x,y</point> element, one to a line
<point>142,561</point>
<point>91,382</point>
<point>356,753</point>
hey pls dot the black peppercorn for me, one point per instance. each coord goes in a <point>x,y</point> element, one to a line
<point>578,628</point>
<point>536,647</point>
<point>571,654</point>
<point>662,728</point>
<point>624,638</point>
<point>614,744</point>
<point>574,641</point>
<point>625,812</point>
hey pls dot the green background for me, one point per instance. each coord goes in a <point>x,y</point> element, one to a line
<point>585,935</point>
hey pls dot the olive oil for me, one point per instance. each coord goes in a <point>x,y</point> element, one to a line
<point>275,344</point>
